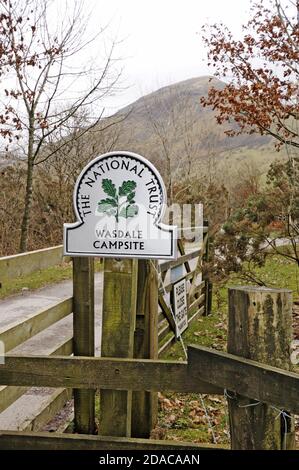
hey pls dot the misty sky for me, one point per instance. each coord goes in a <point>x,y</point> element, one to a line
<point>161,43</point>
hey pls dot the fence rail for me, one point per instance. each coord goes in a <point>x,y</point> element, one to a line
<point>20,331</point>
<point>21,378</point>
<point>243,376</point>
<point>178,262</point>
<point>45,441</point>
<point>16,333</point>
<point>9,394</point>
<point>116,374</point>
<point>261,382</point>
<point>21,264</point>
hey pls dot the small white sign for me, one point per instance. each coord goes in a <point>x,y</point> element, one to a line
<point>2,352</point>
<point>180,306</point>
<point>119,202</point>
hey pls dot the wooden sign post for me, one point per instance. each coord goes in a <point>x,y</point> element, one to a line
<point>119,201</point>
<point>83,325</point>
<point>145,404</point>
<point>118,326</point>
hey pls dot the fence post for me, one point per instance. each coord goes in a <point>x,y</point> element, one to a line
<point>206,259</point>
<point>145,404</point>
<point>260,328</point>
<point>118,325</point>
<point>83,325</point>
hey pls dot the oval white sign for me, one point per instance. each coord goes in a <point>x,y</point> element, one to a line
<point>119,201</point>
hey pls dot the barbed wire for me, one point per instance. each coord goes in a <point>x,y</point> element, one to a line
<point>281,413</point>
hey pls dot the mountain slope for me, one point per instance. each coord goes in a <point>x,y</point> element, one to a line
<point>171,123</point>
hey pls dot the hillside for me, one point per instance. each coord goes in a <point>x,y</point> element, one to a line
<point>171,121</point>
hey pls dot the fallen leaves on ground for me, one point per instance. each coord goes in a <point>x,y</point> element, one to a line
<point>185,411</point>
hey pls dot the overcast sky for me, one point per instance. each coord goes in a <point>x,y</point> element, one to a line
<point>160,39</point>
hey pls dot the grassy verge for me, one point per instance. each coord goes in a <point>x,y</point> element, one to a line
<point>182,416</point>
<point>278,272</point>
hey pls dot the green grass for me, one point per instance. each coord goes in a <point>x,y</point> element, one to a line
<point>278,272</point>
<point>207,331</point>
<point>182,417</point>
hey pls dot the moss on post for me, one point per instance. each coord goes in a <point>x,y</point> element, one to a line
<point>118,325</point>
<point>260,328</point>
<point>145,404</point>
<point>83,321</point>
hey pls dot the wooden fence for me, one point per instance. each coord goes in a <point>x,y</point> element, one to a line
<point>12,267</point>
<point>254,380</point>
<point>254,375</point>
<point>133,327</point>
<point>14,334</point>
<point>80,307</point>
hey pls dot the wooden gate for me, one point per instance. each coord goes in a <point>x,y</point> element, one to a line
<point>261,395</point>
<point>199,288</point>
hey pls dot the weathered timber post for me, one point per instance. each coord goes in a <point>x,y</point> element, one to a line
<point>145,404</point>
<point>118,325</point>
<point>206,259</point>
<point>83,324</point>
<point>260,328</point>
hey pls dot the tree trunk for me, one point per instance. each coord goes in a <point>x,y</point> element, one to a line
<point>28,196</point>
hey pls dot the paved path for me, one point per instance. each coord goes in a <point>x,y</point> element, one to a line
<point>21,306</point>
<point>27,411</point>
